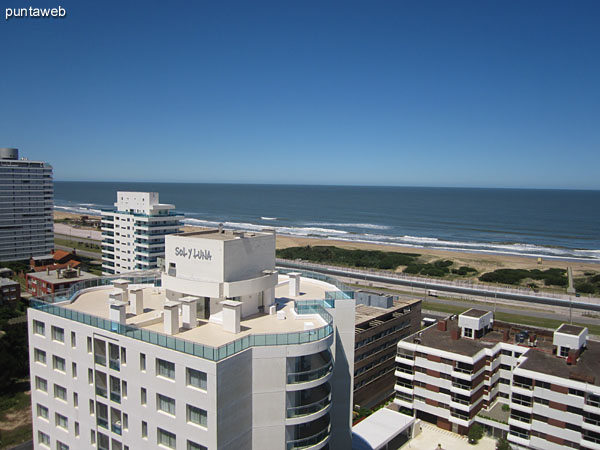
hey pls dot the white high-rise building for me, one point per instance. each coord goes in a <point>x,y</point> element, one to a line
<point>219,351</point>
<point>133,236</point>
<point>26,207</point>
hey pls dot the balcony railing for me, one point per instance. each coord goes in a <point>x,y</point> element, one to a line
<point>102,392</point>
<point>115,397</point>
<point>116,428</point>
<point>114,364</point>
<point>202,351</point>
<point>310,375</point>
<point>312,408</point>
<point>309,441</point>
<point>102,422</point>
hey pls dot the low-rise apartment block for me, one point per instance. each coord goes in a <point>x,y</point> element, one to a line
<point>463,369</point>
<point>219,351</point>
<point>133,235</point>
<point>55,281</point>
<point>10,291</point>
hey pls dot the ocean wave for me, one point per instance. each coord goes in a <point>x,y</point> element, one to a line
<point>80,210</point>
<point>268,218</point>
<point>370,226</point>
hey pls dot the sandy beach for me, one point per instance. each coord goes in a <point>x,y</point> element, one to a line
<point>483,262</point>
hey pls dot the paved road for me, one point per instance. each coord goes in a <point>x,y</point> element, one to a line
<point>92,255</point>
<point>77,238</point>
<point>592,304</point>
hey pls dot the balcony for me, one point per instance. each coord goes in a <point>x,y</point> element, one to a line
<point>310,435</point>
<point>309,401</point>
<point>323,361</point>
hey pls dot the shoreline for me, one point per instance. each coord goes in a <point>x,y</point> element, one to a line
<point>481,261</point>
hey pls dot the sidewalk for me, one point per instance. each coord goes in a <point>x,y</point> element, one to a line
<point>431,436</point>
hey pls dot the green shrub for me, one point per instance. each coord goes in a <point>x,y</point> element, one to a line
<point>585,288</point>
<point>550,277</point>
<point>475,433</point>
<point>503,444</point>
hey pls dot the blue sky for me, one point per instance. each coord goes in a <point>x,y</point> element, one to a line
<point>490,94</point>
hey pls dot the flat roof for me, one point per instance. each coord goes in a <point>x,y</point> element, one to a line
<point>379,428</point>
<point>224,235</point>
<point>573,330</point>
<point>475,313</point>
<point>95,302</point>
<point>7,282</point>
<point>365,313</point>
<point>53,277</point>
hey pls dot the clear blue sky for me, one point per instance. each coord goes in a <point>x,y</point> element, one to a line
<point>449,93</point>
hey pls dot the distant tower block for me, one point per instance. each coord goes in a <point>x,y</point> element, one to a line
<point>570,289</point>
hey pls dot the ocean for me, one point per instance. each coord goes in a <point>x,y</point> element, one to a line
<point>549,223</point>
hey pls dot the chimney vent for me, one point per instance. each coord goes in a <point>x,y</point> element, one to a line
<point>455,334</point>
<point>442,325</point>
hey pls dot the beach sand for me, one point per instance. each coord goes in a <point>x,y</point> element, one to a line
<point>483,262</point>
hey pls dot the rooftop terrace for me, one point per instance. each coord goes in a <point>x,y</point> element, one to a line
<point>222,235</point>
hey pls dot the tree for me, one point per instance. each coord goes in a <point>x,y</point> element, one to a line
<point>502,444</point>
<point>475,433</point>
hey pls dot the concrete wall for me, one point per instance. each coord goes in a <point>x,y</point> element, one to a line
<point>248,257</point>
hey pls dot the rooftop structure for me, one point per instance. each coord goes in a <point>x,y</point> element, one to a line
<point>55,281</point>
<point>133,235</point>
<point>548,379</point>
<point>219,351</point>
<point>26,207</point>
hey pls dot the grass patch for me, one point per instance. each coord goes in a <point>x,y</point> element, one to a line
<point>78,245</point>
<point>349,258</point>
<point>509,317</point>
<point>16,436</point>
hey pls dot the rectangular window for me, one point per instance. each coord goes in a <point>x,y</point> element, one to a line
<point>73,339</point>
<point>142,362</point>
<point>43,439</point>
<point>165,404</point>
<point>144,430</point>
<point>165,369</point>
<point>90,376</point>
<point>124,388</point>
<point>74,370</point>
<point>125,421</point>
<point>193,446</point>
<point>89,348</point>
<point>39,356</point>
<point>58,334</point>
<point>92,409</point>
<point>143,396</point>
<point>58,363</point>
<point>42,411</point>
<point>61,446</point>
<point>41,384</point>
<point>92,437</point>
<point>166,438</point>
<point>75,399</point>
<point>39,328</point>
<point>123,355</point>
<point>61,421</point>
<point>76,429</point>
<point>60,392</point>
<point>196,415</point>
<point>196,379</point>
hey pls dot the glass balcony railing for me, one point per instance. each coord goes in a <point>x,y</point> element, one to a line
<point>102,422</point>
<point>114,364</point>
<point>312,408</point>
<point>115,397</point>
<point>309,441</point>
<point>116,428</point>
<point>310,375</point>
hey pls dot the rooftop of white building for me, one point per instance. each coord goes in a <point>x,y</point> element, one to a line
<point>222,235</point>
<point>96,303</point>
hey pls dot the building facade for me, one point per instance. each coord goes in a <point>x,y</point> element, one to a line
<point>219,351</point>
<point>133,235</point>
<point>10,291</point>
<point>26,207</point>
<point>49,281</point>
<point>381,321</point>
<point>464,369</point>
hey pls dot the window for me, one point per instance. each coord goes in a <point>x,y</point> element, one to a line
<point>542,384</point>
<point>76,429</point>
<point>89,350</point>
<point>73,339</point>
<point>43,439</point>
<point>196,415</point>
<point>196,379</point>
<point>142,362</point>
<point>58,334</point>
<point>58,363</point>
<point>468,332</point>
<point>61,421</point>
<point>166,438</point>
<point>74,370</point>
<point>42,411</point>
<point>39,356</point>
<point>165,369</point>
<point>41,384</point>
<point>125,421</point>
<point>92,409</point>
<point>564,351</point>
<point>92,437</point>
<point>60,392</point>
<point>75,399</point>
<point>90,376</point>
<point>124,388</point>
<point>143,396</point>
<point>165,404</point>
<point>193,446</point>
<point>144,430</point>
<point>39,328</point>
<point>123,355</point>
<point>61,446</point>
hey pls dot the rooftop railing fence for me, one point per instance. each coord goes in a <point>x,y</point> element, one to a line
<point>52,304</point>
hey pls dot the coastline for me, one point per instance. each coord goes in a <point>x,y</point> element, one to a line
<point>481,261</point>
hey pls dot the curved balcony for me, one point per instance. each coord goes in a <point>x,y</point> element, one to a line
<point>313,435</point>
<point>309,368</point>
<point>309,401</point>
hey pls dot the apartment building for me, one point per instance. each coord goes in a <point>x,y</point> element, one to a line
<point>133,235</point>
<point>55,281</point>
<point>26,207</point>
<point>10,291</point>
<point>382,320</point>
<point>219,351</point>
<point>463,369</point>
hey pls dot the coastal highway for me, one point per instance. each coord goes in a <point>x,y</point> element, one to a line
<point>587,304</point>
